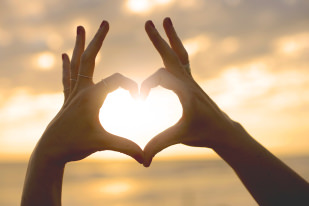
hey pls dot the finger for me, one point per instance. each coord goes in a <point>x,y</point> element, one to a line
<point>169,57</point>
<point>123,145</point>
<point>88,58</point>
<point>163,78</point>
<point>113,82</point>
<point>175,41</point>
<point>158,143</point>
<point>77,53</point>
<point>66,76</point>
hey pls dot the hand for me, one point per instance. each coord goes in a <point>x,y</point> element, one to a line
<point>202,124</point>
<point>76,132</point>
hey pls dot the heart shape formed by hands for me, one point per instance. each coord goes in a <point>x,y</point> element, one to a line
<point>137,119</point>
<point>200,123</point>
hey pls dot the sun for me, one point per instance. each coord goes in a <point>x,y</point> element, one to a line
<point>144,6</point>
<point>45,60</point>
<point>139,120</point>
<point>138,5</point>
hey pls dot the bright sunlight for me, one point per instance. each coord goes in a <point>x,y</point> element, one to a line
<point>45,60</point>
<point>144,6</point>
<point>139,120</point>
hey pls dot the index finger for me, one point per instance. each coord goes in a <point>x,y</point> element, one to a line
<point>169,57</point>
<point>122,145</point>
<point>86,68</point>
<point>163,78</point>
<point>112,83</point>
<point>175,41</point>
<point>163,140</point>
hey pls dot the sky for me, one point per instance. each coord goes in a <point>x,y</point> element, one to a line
<point>251,57</point>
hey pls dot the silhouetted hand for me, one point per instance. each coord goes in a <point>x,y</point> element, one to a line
<point>202,124</point>
<point>76,131</point>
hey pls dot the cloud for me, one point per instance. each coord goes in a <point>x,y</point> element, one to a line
<point>293,45</point>
<point>23,118</point>
<point>253,85</point>
<point>238,30</point>
<point>197,44</point>
<point>251,54</point>
<point>272,106</point>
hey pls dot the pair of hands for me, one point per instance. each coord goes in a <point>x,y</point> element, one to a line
<point>76,131</point>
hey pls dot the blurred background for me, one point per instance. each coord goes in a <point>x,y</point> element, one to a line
<point>251,57</point>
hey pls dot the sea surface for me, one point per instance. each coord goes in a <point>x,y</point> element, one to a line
<point>126,183</point>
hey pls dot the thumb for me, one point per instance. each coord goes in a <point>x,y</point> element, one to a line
<point>163,140</point>
<point>122,145</point>
<point>113,82</point>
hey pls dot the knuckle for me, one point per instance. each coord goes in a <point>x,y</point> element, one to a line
<point>161,71</point>
<point>117,75</point>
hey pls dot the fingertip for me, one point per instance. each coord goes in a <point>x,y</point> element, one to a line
<point>135,92</point>
<point>150,24</point>
<point>168,26</point>
<point>80,30</point>
<point>130,85</point>
<point>146,166</point>
<point>64,56</point>
<point>142,97</point>
<point>139,159</point>
<point>65,63</point>
<point>144,91</point>
<point>148,155</point>
<point>167,21</point>
<point>104,26</point>
<point>150,28</point>
<point>147,163</point>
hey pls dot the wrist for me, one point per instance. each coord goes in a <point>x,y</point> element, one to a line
<point>45,153</point>
<point>235,140</point>
<point>43,180</point>
<point>44,159</point>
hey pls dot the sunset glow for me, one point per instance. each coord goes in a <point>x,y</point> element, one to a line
<point>143,6</point>
<point>140,120</point>
<point>116,187</point>
<point>250,57</point>
<point>139,5</point>
<point>45,60</point>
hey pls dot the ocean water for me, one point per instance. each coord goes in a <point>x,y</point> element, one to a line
<point>179,183</point>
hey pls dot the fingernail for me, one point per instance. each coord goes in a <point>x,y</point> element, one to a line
<point>63,56</point>
<point>151,24</point>
<point>104,23</point>
<point>79,29</point>
<point>169,21</point>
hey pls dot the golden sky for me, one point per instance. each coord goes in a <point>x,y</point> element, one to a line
<point>251,57</point>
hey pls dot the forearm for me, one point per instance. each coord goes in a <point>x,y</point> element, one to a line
<point>268,179</point>
<point>43,182</point>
